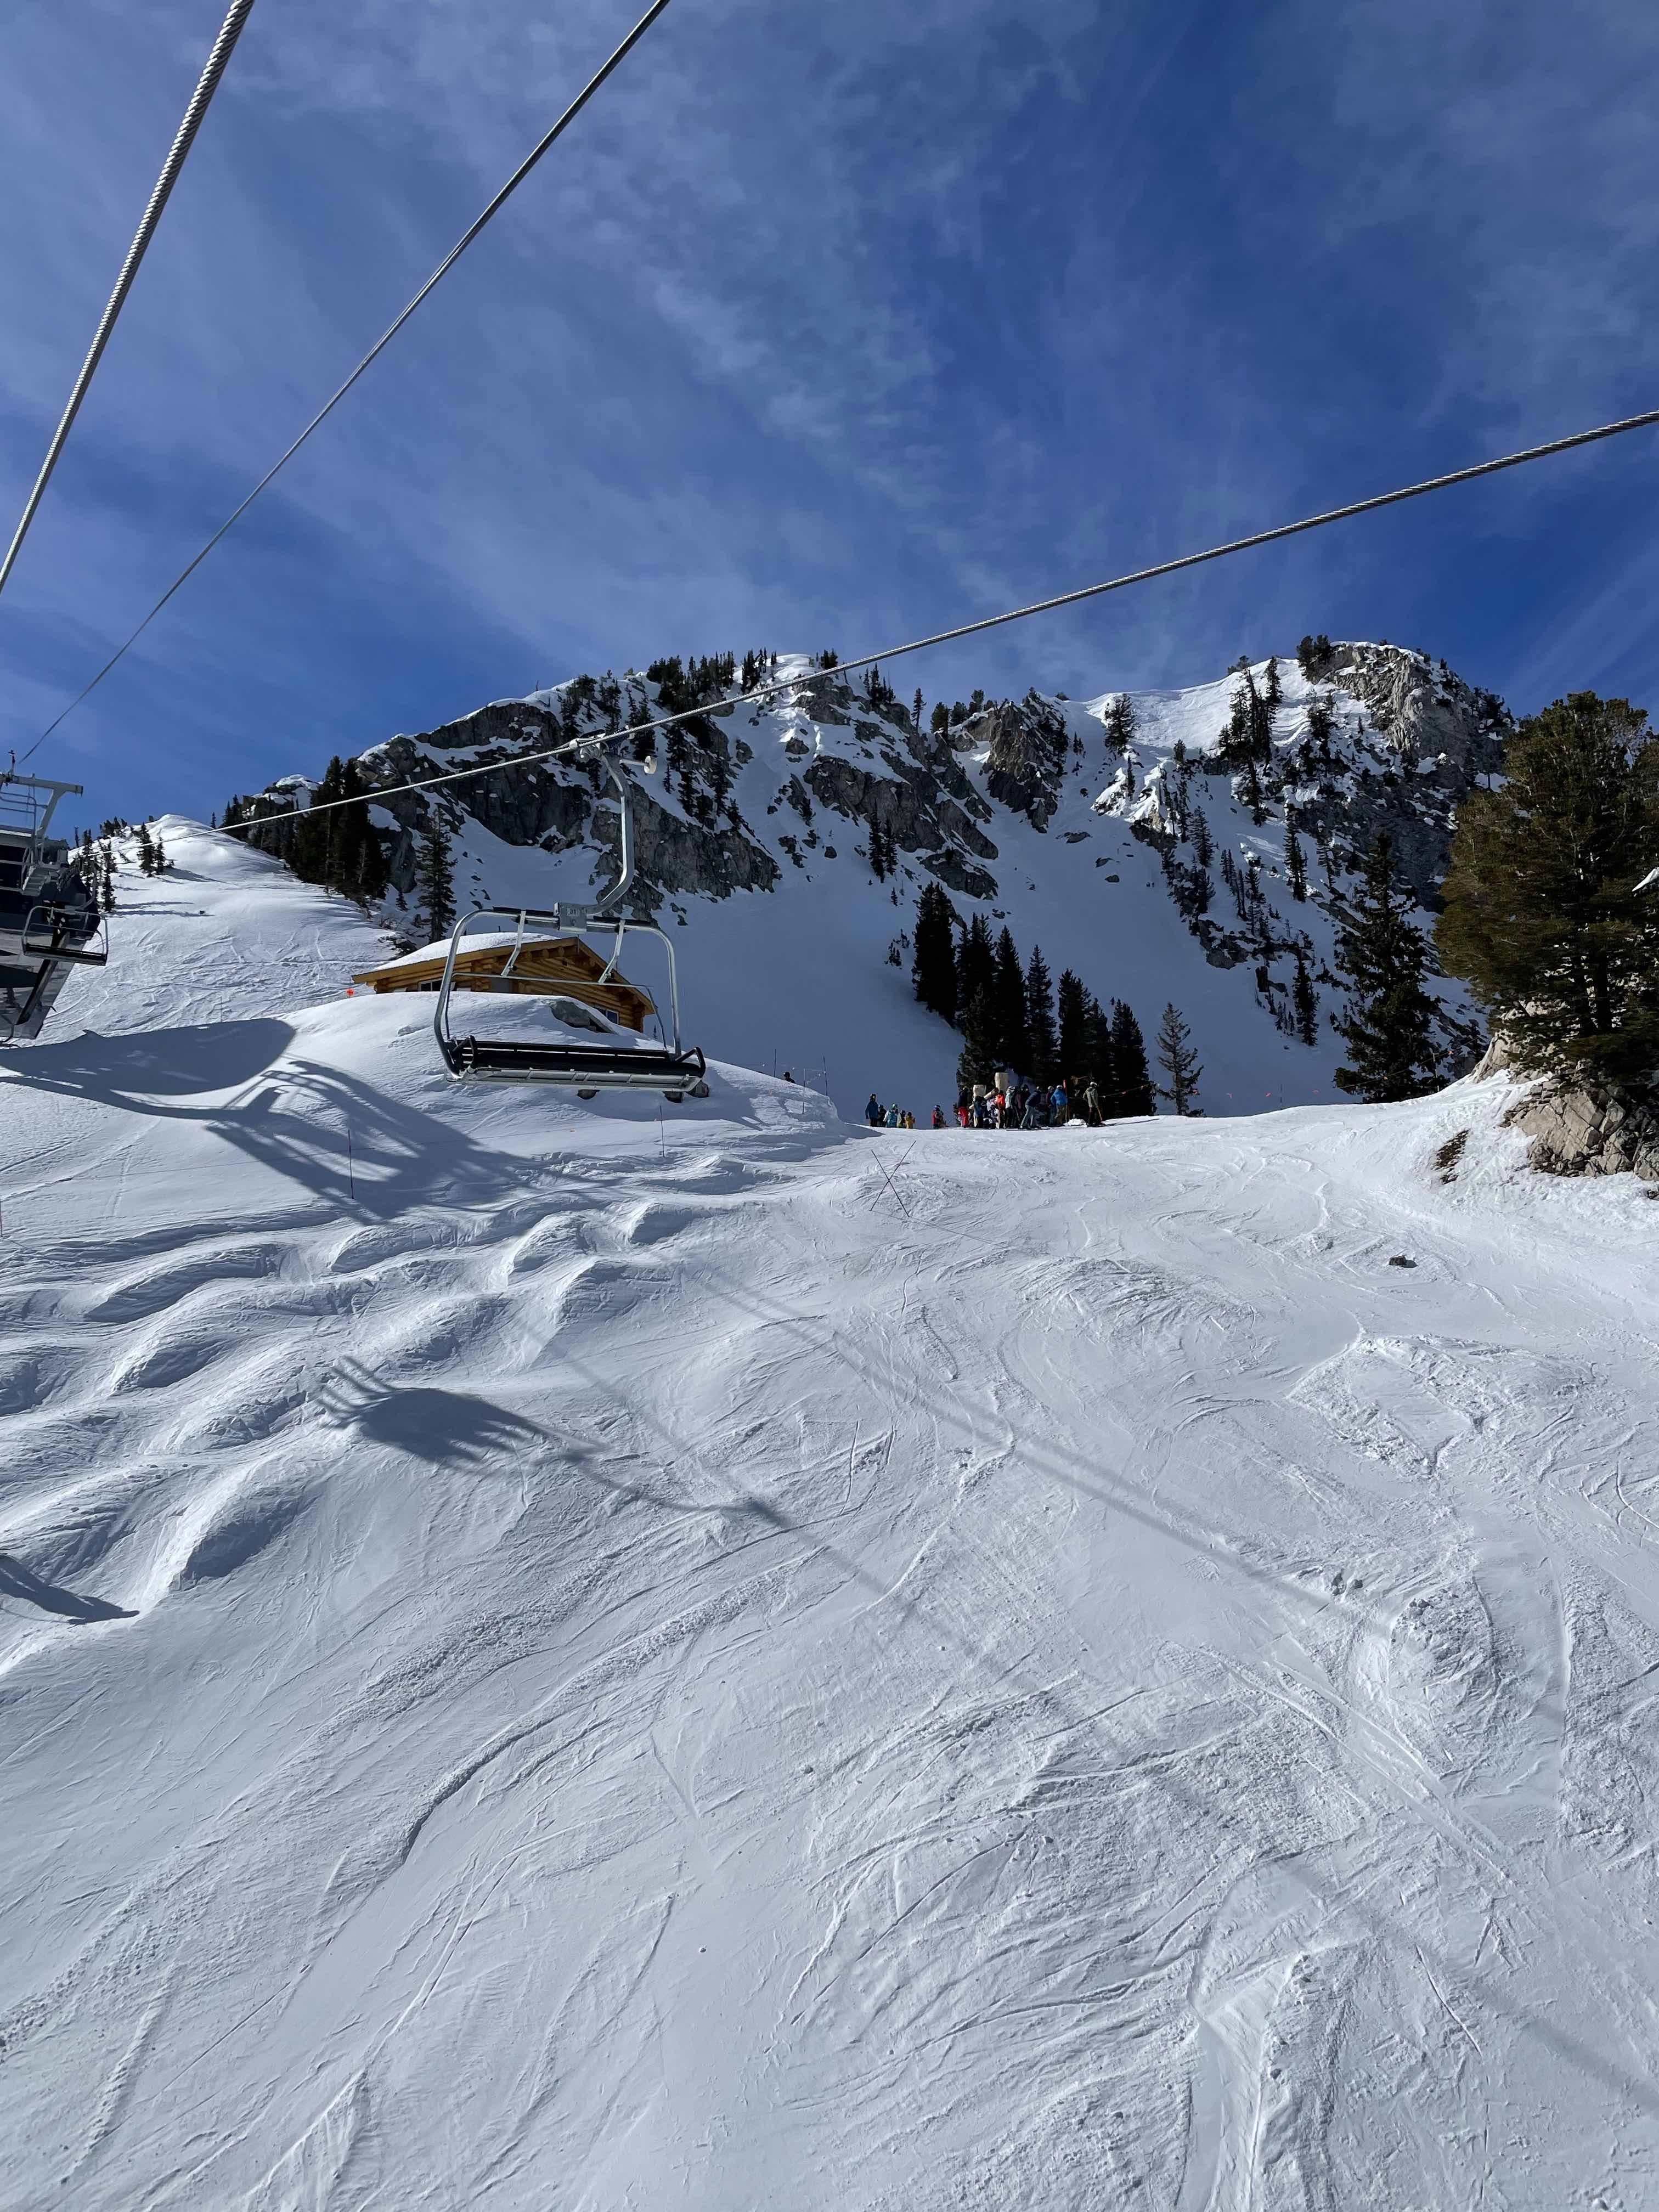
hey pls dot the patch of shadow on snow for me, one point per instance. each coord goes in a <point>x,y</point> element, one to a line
<point>446,1428</point>
<point>22,1583</point>
<point>158,1063</point>
<point>250,1526</point>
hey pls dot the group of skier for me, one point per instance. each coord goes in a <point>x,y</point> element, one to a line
<point>1007,1103</point>
<point>895,1117</point>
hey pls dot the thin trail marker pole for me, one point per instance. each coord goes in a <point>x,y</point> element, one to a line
<point>892,1186</point>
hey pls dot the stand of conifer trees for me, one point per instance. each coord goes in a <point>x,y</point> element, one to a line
<point>1011,1015</point>
<point>340,849</point>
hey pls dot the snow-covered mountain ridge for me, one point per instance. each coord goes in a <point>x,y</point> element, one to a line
<point>1155,869</point>
<point>599,1655</point>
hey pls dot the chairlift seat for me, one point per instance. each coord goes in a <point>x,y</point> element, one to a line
<point>673,1068</point>
<point>580,1067</point>
<point>57,933</point>
<point>49,919</point>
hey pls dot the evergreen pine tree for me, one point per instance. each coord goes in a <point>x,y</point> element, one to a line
<point>1011,1038</point>
<point>1321,726</point>
<point>1251,794</point>
<point>978,1059</point>
<point>1304,1001</point>
<point>1296,861</point>
<point>1273,692</point>
<point>1042,1045</point>
<point>1542,917</point>
<point>934,968</point>
<point>106,883</point>
<point>878,848</point>
<point>1100,1062</point>
<point>366,878</point>
<point>1073,1006</point>
<point>1178,1060</point>
<point>159,859</point>
<point>1119,723</point>
<point>915,710</point>
<point>975,963</point>
<point>309,847</point>
<point>146,851</point>
<point>1383,957</point>
<point>1203,842</point>
<point>720,776</point>
<point>1132,1078</point>
<point>432,884</point>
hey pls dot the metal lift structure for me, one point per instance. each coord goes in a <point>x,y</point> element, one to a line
<point>49,919</point>
<point>673,1068</point>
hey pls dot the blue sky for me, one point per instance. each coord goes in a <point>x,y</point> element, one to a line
<point>821,327</point>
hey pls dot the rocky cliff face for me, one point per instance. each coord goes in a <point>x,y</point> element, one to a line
<point>1233,814</point>
<point>1025,749</point>
<point>1430,739</point>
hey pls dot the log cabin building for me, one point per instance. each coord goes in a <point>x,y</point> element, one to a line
<point>537,967</point>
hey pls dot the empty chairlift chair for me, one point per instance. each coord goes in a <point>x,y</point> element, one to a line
<point>673,1068</point>
<point>49,919</point>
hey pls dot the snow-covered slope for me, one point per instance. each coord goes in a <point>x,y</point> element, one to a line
<point>754,836</point>
<point>554,1656</point>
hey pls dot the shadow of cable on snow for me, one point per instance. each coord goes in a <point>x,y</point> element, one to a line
<point>454,1428</point>
<point>1327,1893</point>
<point>18,1580</point>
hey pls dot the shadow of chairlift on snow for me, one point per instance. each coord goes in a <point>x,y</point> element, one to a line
<point>446,1428</point>
<point>17,1581</point>
<point>328,1132</point>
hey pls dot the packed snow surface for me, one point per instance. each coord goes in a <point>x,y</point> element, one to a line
<point>598,1655</point>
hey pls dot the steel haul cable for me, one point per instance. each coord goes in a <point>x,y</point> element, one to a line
<point>786,684</point>
<point>208,84</point>
<point>378,347</point>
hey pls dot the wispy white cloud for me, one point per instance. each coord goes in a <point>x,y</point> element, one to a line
<point>816,329</point>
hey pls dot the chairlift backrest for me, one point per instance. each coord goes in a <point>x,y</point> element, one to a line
<point>674,1069</point>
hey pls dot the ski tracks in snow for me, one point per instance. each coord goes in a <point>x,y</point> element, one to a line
<point>687,1680</point>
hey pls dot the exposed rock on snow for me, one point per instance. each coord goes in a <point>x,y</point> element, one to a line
<point>1026,745</point>
<point>1584,1130</point>
<point>1579,1128</point>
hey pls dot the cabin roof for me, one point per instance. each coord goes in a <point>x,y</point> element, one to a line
<point>544,964</point>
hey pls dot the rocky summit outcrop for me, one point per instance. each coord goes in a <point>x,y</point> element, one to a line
<point>1424,740</point>
<point>1025,745</point>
